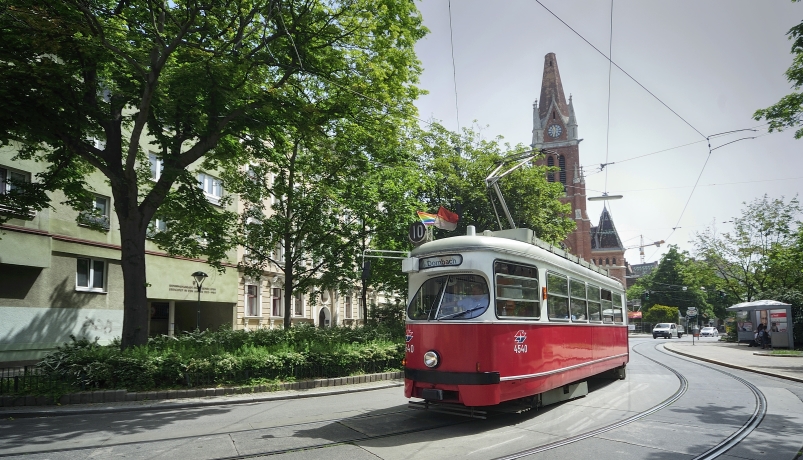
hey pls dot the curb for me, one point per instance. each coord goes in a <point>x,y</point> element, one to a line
<point>734,366</point>
<point>164,399</point>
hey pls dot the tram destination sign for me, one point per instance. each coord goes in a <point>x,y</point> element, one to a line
<point>440,261</point>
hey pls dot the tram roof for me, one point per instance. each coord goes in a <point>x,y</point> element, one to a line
<point>521,241</point>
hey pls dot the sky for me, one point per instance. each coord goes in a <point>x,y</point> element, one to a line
<point>713,62</point>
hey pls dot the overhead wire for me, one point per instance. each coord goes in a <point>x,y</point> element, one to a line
<point>454,69</point>
<point>618,67</point>
<point>707,138</point>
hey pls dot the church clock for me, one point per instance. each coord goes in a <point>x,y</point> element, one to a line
<point>554,130</point>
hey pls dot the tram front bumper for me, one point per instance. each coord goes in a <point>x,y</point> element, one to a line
<point>468,388</point>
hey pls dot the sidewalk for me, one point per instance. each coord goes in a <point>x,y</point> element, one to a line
<point>740,357</point>
<point>306,389</point>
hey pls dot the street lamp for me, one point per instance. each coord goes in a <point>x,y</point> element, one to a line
<point>199,280</point>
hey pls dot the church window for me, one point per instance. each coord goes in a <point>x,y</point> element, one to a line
<point>607,261</point>
<point>550,162</point>
<point>614,260</point>
<point>562,164</point>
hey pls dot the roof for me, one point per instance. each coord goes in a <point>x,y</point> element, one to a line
<point>552,89</point>
<point>759,305</point>
<point>604,235</point>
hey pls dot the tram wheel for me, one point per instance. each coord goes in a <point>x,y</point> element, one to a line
<point>621,372</point>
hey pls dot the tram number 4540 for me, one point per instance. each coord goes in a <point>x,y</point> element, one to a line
<point>520,348</point>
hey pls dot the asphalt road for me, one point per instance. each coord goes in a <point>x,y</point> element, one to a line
<point>617,420</point>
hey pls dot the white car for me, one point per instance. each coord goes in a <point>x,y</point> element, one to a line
<point>709,332</point>
<point>666,330</point>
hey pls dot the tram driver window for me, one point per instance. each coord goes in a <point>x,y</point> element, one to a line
<point>607,306</point>
<point>557,300</point>
<point>517,293</point>
<point>450,297</point>
<point>594,305</point>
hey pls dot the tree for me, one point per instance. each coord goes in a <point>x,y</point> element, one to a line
<point>662,314</point>
<point>456,166</point>
<point>742,258</point>
<point>313,201</point>
<point>678,281</point>
<point>194,82</point>
<point>788,112</point>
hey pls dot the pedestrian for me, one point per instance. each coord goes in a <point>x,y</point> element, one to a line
<point>762,336</point>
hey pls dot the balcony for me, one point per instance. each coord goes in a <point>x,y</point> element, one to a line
<point>94,221</point>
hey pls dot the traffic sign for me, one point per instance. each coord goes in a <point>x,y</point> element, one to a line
<point>692,311</point>
<point>417,232</point>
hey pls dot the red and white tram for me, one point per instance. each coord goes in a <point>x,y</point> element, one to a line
<point>501,316</point>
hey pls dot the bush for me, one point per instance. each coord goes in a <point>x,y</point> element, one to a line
<point>226,357</point>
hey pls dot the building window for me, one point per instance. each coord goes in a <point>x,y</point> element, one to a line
<point>157,165</point>
<point>90,275</point>
<point>562,165</point>
<point>349,307</point>
<point>9,180</point>
<point>276,302</point>
<point>98,216</point>
<point>252,300</point>
<point>550,162</point>
<point>298,307</point>
<point>8,177</point>
<point>212,187</point>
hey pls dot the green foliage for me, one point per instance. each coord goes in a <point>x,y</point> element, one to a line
<point>679,281</point>
<point>456,166</point>
<point>662,314</point>
<point>201,85</point>
<point>757,255</point>
<point>788,112</point>
<point>227,357</point>
<point>389,317</point>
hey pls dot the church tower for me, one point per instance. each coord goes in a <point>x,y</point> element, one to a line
<point>555,130</point>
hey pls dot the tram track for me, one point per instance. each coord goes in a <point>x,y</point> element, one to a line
<point>753,421</point>
<point>734,439</point>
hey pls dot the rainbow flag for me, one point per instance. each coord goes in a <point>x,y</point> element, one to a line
<point>427,218</point>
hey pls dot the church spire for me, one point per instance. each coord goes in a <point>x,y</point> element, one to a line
<point>572,124</point>
<point>552,89</point>
<point>538,129</point>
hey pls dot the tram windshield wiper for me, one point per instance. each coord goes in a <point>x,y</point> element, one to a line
<point>460,313</point>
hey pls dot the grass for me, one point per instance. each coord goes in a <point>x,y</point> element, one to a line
<point>787,352</point>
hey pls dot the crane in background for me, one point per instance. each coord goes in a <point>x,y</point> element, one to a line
<point>642,246</point>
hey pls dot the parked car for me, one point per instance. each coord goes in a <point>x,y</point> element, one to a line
<point>709,332</point>
<point>665,330</point>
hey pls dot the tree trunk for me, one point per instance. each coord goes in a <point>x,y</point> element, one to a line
<point>135,300</point>
<point>288,292</point>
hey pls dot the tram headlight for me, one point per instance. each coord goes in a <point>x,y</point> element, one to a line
<point>431,359</point>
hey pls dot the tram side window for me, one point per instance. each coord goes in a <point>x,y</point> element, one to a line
<point>617,308</point>
<point>517,293</point>
<point>557,301</point>
<point>577,304</point>
<point>594,305</point>
<point>425,301</point>
<point>607,306</point>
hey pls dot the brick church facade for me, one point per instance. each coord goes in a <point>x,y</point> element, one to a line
<point>555,131</point>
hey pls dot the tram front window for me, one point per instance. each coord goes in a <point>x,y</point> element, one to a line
<point>450,297</point>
